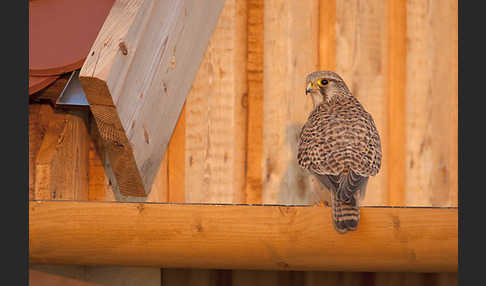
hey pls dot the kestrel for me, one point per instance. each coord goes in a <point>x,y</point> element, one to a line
<point>340,145</point>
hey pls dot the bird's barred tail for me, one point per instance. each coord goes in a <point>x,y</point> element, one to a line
<point>345,215</point>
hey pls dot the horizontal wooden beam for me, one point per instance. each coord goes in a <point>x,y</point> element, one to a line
<point>240,237</point>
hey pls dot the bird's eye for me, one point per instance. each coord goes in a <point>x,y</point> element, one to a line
<point>322,82</point>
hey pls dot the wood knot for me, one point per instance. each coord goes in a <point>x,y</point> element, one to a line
<point>413,256</point>
<point>198,227</point>
<point>146,136</point>
<point>396,223</point>
<point>287,211</point>
<point>244,100</point>
<point>164,85</point>
<point>283,265</point>
<point>123,48</point>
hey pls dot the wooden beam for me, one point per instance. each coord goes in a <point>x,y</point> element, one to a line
<point>241,237</point>
<point>137,76</point>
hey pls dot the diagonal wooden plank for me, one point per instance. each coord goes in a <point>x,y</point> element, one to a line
<point>137,76</point>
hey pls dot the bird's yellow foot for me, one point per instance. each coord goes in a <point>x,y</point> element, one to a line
<point>322,204</point>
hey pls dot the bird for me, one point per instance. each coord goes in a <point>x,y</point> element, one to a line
<point>340,145</point>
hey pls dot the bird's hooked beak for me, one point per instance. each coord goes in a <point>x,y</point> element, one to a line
<point>309,88</point>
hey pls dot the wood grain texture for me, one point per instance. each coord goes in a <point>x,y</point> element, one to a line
<point>39,115</point>
<point>215,117</point>
<point>275,237</point>
<point>255,277</point>
<point>327,35</point>
<point>62,162</point>
<point>196,277</point>
<point>254,101</point>
<point>431,126</point>
<point>395,83</point>
<point>137,77</point>
<point>60,275</point>
<point>99,186</point>
<point>97,177</point>
<point>291,52</point>
<point>414,279</point>
<point>361,50</point>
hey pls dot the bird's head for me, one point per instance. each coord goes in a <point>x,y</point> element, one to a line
<point>325,85</point>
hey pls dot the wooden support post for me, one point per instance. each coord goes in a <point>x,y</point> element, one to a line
<point>39,115</point>
<point>137,76</point>
<point>62,162</point>
<point>241,237</point>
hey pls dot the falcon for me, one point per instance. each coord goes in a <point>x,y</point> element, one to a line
<point>340,145</point>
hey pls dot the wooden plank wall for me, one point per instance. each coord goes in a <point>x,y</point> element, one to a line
<point>235,140</point>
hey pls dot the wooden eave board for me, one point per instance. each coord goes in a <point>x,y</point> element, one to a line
<point>37,83</point>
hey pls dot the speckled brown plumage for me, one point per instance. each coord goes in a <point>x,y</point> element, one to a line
<point>340,145</point>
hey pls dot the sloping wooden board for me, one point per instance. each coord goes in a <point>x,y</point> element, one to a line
<point>137,76</point>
